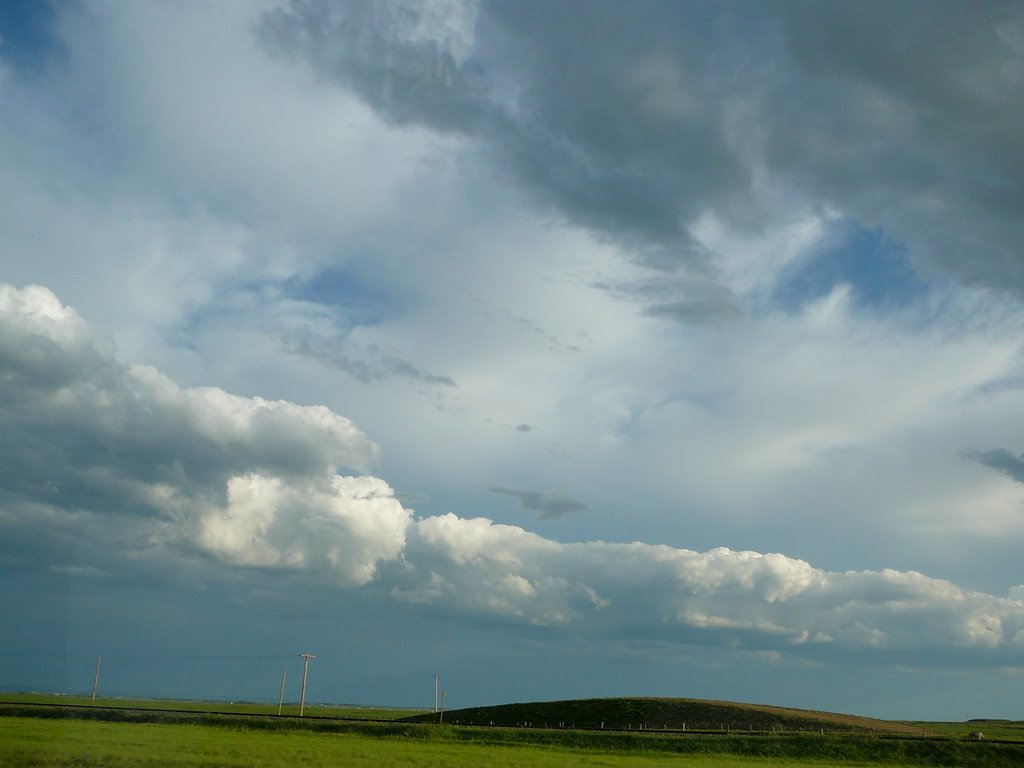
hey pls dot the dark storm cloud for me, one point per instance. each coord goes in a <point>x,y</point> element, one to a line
<point>550,505</point>
<point>634,120</point>
<point>909,115</point>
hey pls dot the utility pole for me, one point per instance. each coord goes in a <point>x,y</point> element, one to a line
<point>280,700</point>
<point>305,668</point>
<point>435,694</point>
<point>440,718</point>
<point>96,679</point>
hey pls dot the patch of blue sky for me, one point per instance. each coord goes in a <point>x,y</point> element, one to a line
<point>27,39</point>
<point>877,270</point>
<point>349,290</point>
<point>230,303</point>
<point>339,297</point>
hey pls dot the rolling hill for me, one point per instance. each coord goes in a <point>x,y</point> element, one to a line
<point>667,714</point>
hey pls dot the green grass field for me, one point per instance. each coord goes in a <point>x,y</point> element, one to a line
<point>38,743</point>
<point>35,732</point>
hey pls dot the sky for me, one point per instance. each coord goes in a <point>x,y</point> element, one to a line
<point>558,349</point>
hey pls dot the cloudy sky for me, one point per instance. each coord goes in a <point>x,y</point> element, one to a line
<point>560,349</point>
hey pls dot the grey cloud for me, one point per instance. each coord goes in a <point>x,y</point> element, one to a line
<point>553,341</point>
<point>79,572</point>
<point>367,365</point>
<point>587,135</point>
<point>694,311</point>
<point>1001,460</point>
<point>620,140</point>
<point>523,428</point>
<point>550,505</point>
<point>635,121</point>
<point>685,300</point>
<point>402,57</point>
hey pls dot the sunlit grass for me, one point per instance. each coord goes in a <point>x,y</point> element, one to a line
<point>36,743</point>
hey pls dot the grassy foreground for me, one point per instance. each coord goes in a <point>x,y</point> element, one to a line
<point>51,743</point>
<point>50,736</point>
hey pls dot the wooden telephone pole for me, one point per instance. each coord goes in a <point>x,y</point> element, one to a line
<point>280,699</point>
<point>305,668</point>
<point>96,679</point>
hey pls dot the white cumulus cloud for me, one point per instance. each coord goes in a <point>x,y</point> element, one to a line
<point>114,455</point>
<point>746,599</point>
<point>348,527</point>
